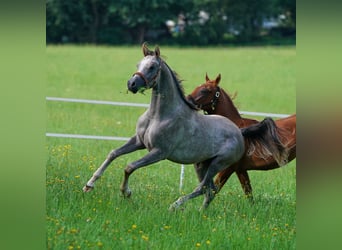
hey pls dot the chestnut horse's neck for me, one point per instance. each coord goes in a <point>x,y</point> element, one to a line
<point>226,107</point>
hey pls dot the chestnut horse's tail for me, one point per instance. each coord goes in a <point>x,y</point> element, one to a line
<point>263,141</point>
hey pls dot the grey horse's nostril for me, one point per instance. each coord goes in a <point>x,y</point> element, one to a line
<point>131,83</point>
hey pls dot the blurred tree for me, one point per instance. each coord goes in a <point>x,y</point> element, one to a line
<point>139,16</point>
<point>74,21</point>
<point>134,21</point>
<point>288,8</point>
<point>206,23</point>
<point>246,17</point>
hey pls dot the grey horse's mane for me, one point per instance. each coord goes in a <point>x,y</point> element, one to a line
<point>180,87</point>
<point>174,75</point>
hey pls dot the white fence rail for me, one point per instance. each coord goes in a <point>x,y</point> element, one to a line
<point>127,104</point>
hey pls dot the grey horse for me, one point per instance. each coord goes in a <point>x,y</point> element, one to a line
<point>173,129</point>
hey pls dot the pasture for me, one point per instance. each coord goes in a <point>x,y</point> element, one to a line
<point>265,81</point>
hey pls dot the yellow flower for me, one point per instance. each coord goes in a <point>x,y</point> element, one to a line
<point>99,244</point>
<point>198,244</point>
<point>208,242</point>
<point>144,237</point>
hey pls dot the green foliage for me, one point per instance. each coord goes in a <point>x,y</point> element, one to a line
<point>103,219</point>
<point>134,21</point>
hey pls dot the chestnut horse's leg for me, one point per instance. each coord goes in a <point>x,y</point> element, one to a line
<point>223,176</point>
<point>245,183</point>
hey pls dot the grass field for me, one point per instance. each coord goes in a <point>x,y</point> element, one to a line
<point>265,81</point>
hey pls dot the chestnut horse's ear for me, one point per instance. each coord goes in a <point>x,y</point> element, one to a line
<point>218,79</point>
<point>157,51</point>
<point>206,77</point>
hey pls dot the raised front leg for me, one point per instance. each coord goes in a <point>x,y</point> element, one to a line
<point>132,145</point>
<point>153,156</point>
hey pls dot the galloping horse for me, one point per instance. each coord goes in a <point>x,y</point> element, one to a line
<point>173,129</point>
<point>214,100</point>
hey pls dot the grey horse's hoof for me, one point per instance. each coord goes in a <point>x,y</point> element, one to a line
<point>126,193</point>
<point>87,188</point>
<point>174,206</point>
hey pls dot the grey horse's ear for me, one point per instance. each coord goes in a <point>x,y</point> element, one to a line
<point>145,49</point>
<point>157,51</point>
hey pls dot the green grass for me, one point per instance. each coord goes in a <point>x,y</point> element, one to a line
<point>103,219</point>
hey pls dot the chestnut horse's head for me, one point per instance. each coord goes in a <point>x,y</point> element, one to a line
<point>206,95</point>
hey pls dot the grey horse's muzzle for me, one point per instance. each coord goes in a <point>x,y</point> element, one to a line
<point>136,83</point>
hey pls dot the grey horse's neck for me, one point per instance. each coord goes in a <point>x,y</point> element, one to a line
<point>167,96</point>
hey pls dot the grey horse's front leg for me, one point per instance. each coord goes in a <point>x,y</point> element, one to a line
<point>153,156</point>
<point>132,145</point>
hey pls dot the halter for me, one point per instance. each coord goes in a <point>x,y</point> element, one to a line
<point>147,82</point>
<point>213,101</point>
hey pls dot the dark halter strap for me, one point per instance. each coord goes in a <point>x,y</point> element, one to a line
<point>153,78</point>
<point>142,76</point>
<point>213,101</point>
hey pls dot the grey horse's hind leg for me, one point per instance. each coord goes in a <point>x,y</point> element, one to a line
<point>206,186</point>
<point>203,187</point>
<point>201,168</point>
<point>209,189</point>
<point>209,194</point>
<point>198,191</point>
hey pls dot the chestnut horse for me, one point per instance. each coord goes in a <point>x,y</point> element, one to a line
<point>214,100</point>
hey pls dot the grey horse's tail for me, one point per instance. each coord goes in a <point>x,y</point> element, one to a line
<point>262,140</point>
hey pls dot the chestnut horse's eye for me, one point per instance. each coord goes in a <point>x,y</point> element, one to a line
<point>205,91</point>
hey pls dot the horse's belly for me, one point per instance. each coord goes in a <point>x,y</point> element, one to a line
<point>188,158</point>
<point>193,150</point>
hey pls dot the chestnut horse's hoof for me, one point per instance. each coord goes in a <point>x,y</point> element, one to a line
<point>87,188</point>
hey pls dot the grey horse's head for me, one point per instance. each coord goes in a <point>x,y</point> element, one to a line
<point>148,71</point>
